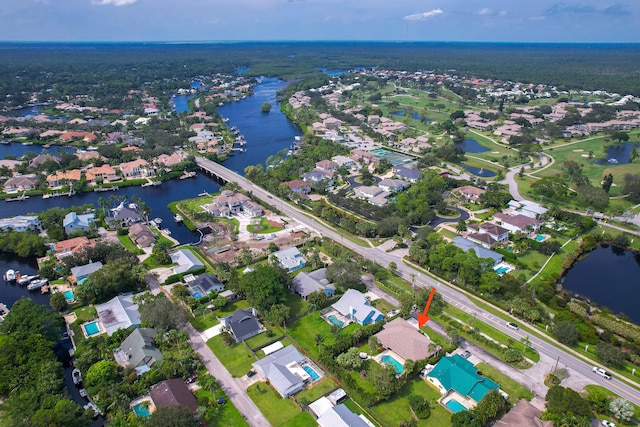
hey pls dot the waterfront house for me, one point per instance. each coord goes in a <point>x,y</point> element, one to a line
<point>21,183</point>
<point>74,222</point>
<point>186,260</point>
<point>104,173</point>
<point>80,273</point>
<point>21,223</point>
<point>124,217</point>
<point>59,179</point>
<point>141,235</point>
<point>135,169</point>
<point>119,312</point>
<point>68,247</point>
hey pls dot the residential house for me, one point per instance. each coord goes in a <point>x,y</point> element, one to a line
<point>327,165</point>
<point>59,179</point>
<point>139,350</point>
<point>524,414</point>
<point>104,173</point>
<point>283,370</point>
<point>39,160</point>
<point>119,312</point>
<point>138,168</point>
<point>290,259</point>
<point>21,183</point>
<point>89,155</point>
<point>488,234</point>
<point>124,217</point>
<point>21,223</point>
<point>304,284</point>
<point>173,392</point>
<point>480,251</point>
<point>80,136</point>
<point>80,273</point>
<point>355,306</point>
<point>141,235</point>
<point>345,161</point>
<point>317,176</point>
<point>527,208</point>
<point>299,187</point>
<point>405,340</point>
<point>10,164</point>
<point>243,324</point>
<point>393,185</point>
<point>169,160</point>
<point>469,193</point>
<point>203,285</point>
<point>341,416</point>
<point>74,222</point>
<point>367,191</point>
<point>515,223</point>
<point>229,203</point>
<point>407,174</point>
<point>186,260</point>
<point>456,376</point>
<point>68,247</point>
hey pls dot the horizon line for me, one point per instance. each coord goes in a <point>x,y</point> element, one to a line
<point>177,42</point>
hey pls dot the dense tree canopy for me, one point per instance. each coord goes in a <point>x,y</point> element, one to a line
<point>264,287</point>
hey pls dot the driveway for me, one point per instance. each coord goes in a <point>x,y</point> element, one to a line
<point>229,385</point>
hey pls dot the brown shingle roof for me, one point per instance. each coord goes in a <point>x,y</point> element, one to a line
<point>173,393</point>
<point>404,339</point>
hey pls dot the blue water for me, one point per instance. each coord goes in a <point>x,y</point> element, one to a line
<point>19,150</point>
<point>197,295</point>
<point>141,411</point>
<point>26,111</point>
<point>502,270</point>
<point>195,84</point>
<point>540,237</point>
<point>379,152</point>
<point>393,362</point>
<point>616,268</point>
<point>242,70</point>
<point>334,320</point>
<point>455,406</point>
<point>68,295</point>
<point>471,146</point>
<point>329,72</point>
<point>479,171</point>
<point>620,153</point>
<point>180,103</point>
<point>91,328</point>
<point>312,373</point>
<point>413,115</point>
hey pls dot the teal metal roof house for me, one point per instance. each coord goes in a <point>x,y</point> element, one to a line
<point>454,373</point>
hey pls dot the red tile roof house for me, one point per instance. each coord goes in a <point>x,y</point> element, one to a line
<point>300,187</point>
<point>70,246</point>
<point>169,160</point>
<point>139,168</point>
<point>85,136</point>
<point>59,179</point>
<point>105,173</point>
<point>470,193</point>
<point>327,165</point>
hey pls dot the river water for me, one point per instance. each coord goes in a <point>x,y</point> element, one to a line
<point>608,276</point>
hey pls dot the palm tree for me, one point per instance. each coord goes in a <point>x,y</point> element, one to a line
<point>319,339</point>
<point>461,226</point>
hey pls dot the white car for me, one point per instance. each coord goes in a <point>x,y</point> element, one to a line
<point>606,423</point>
<point>601,372</point>
<point>513,326</point>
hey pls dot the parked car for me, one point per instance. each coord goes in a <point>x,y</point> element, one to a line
<point>465,354</point>
<point>606,423</point>
<point>251,373</point>
<point>513,326</point>
<point>601,372</point>
<point>221,400</point>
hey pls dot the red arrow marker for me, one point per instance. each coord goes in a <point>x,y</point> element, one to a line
<point>422,317</point>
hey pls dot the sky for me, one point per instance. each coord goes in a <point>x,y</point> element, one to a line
<point>600,21</point>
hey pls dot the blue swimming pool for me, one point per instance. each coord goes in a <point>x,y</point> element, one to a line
<point>334,320</point>
<point>393,362</point>
<point>379,152</point>
<point>312,373</point>
<point>141,410</point>
<point>197,295</point>
<point>455,406</point>
<point>502,270</point>
<point>91,328</point>
<point>68,295</point>
<point>540,237</point>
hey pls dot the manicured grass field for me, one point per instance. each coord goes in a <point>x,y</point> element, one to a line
<point>129,245</point>
<point>304,330</point>
<point>263,338</point>
<point>515,390</point>
<point>279,411</point>
<point>227,414</point>
<point>396,410</point>
<point>236,358</point>
<point>231,308</point>
<point>204,322</point>
<point>263,227</point>
<point>318,390</point>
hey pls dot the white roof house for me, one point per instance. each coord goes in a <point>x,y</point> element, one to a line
<point>354,305</point>
<point>118,313</point>
<point>186,260</point>
<point>290,258</point>
<point>282,369</point>
<point>341,416</point>
<point>20,223</point>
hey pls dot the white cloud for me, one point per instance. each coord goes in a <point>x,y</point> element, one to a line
<point>485,11</point>
<point>424,15</point>
<point>113,2</point>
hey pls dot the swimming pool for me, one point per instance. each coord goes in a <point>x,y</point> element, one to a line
<point>141,410</point>
<point>197,295</point>
<point>334,320</point>
<point>388,360</point>
<point>455,406</point>
<point>502,270</point>
<point>379,152</point>
<point>91,328</point>
<point>68,295</point>
<point>312,373</point>
<point>540,237</point>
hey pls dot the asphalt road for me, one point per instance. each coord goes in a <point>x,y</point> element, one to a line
<point>452,295</point>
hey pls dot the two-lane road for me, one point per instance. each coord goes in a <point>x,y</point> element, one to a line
<point>452,295</point>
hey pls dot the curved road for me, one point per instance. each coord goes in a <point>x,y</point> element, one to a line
<point>454,296</point>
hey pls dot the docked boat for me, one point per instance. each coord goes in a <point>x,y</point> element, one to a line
<point>178,218</point>
<point>10,275</point>
<point>26,279</point>
<point>4,310</point>
<point>37,284</point>
<point>21,197</point>
<point>76,376</point>
<point>157,220</point>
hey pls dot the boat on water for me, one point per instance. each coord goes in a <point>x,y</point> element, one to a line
<point>10,275</point>
<point>76,376</point>
<point>157,220</point>
<point>37,284</point>
<point>4,310</point>
<point>26,279</point>
<point>178,218</point>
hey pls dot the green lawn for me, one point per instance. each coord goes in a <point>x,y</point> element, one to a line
<point>263,338</point>
<point>204,322</point>
<point>601,391</point>
<point>263,227</point>
<point>129,245</point>
<point>394,411</point>
<point>318,390</point>
<point>515,390</point>
<point>227,414</point>
<point>231,308</point>
<point>236,358</point>
<point>279,411</point>
<point>304,330</point>
<point>447,233</point>
<point>296,304</point>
